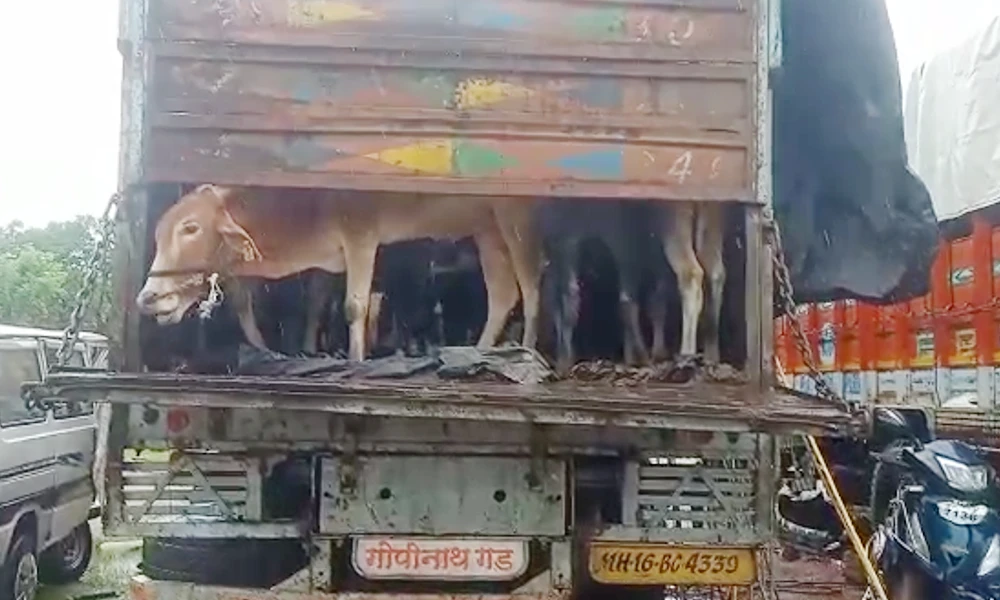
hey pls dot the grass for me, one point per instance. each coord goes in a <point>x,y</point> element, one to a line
<point>114,562</point>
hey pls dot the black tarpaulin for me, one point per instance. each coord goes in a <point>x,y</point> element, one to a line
<point>856,222</point>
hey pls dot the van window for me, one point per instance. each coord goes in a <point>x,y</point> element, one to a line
<point>17,365</point>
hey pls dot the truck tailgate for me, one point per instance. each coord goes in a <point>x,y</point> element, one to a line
<point>631,98</point>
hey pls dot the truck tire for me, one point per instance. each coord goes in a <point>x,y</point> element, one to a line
<point>67,560</point>
<point>242,562</point>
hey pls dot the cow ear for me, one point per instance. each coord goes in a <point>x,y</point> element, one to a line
<point>237,238</point>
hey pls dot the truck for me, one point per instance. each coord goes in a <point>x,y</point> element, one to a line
<point>276,486</point>
<point>937,351</point>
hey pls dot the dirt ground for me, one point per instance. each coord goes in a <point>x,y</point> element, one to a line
<point>115,561</point>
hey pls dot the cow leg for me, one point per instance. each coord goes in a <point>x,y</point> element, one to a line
<point>501,285</point>
<point>376,304</point>
<point>678,246</point>
<point>360,257</point>
<point>629,279</point>
<point>248,321</point>
<point>708,248</point>
<point>565,300</point>
<point>319,290</point>
<point>658,318</point>
<point>517,226</point>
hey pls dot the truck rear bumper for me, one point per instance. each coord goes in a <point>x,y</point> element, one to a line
<point>144,588</point>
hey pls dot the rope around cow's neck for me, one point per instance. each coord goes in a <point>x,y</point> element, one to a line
<point>214,299</point>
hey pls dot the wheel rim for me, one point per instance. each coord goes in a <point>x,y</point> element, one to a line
<point>26,578</point>
<point>71,551</point>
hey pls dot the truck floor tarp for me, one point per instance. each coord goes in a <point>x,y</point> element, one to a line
<point>856,221</point>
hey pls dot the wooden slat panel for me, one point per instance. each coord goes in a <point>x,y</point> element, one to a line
<point>745,516</point>
<point>153,478</point>
<point>207,465</point>
<point>682,472</point>
<point>736,502</point>
<point>696,487</point>
<point>175,493</point>
<point>176,507</point>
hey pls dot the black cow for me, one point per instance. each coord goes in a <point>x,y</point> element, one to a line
<point>628,229</point>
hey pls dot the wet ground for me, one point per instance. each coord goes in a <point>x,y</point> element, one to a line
<point>115,561</point>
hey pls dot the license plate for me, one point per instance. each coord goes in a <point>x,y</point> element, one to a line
<point>649,564</point>
<point>962,514</point>
<point>439,558</point>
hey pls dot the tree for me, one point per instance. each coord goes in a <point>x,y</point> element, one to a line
<point>41,271</point>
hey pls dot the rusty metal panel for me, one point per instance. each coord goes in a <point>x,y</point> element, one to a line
<point>643,98</point>
<point>440,495</point>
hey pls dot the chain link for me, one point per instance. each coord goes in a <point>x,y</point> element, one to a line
<point>94,271</point>
<point>787,297</point>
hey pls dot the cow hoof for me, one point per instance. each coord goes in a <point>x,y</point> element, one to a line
<point>684,369</point>
<point>564,368</point>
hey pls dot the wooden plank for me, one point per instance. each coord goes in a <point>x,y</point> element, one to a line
<point>682,472</point>
<point>647,502</point>
<point>679,170</point>
<point>514,27</point>
<point>317,97</point>
<point>152,478</point>
<point>696,487</point>
<point>703,517</point>
<point>182,493</point>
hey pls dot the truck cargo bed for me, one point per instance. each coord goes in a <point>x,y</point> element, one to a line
<point>700,405</point>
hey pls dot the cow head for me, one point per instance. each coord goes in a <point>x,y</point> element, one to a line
<point>197,236</point>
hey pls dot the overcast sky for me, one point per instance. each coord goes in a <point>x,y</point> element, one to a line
<point>59,116</point>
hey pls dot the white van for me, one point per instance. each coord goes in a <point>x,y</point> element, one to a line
<point>46,457</point>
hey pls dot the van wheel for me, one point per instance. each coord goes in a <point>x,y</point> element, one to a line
<point>67,560</point>
<point>19,574</point>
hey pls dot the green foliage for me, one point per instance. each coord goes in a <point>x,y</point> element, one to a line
<point>41,271</point>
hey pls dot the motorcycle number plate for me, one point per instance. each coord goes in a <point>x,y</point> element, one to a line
<point>962,514</point>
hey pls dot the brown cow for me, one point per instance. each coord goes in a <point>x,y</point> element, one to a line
<point>693,236</point>
<point>271,234</point>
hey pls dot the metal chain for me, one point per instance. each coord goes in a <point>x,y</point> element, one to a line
<point>96,266</point>
<point>786,294</point>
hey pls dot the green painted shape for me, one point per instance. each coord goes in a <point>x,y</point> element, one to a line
<point>435,86</point>
<point>475,161</point>
<point>599,23</point>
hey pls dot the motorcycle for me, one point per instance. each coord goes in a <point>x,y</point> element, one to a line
<point>933,507</point>
<point>936,506</point>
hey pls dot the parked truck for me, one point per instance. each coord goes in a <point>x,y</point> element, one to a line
<point>283,486</point>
